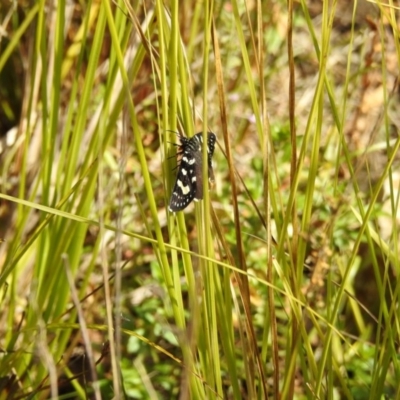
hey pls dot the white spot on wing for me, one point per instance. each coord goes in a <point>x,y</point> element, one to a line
<point>185,189</point>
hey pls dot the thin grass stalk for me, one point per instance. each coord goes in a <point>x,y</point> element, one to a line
<point>293,210</point>
<point>243,282</point>
<point>270,320</point>
<point>81,121</point>
<point>84,329</point>
<point>115,361</point>
<point>210,279</point>
<point>44,242</point>
<point>159,63</point>
<point>364,228</point>
<point>121,21</point>
<point>365,215</point>
<point>394,201</point>
<point>92,222</point>
<point>385,338</point>
<point>73,98</point>
<point>226,325</point>
<point>326,32</point>
<point>297,247</point>
<point>53,97</point>
<point>72,249</point>
<point>168,29</point>
<point>40,53</point>
<point>15,39</point>
<point>222,101</point>
<point>139,145</point>
<point>178,78</point>
<point>194,31</point>
<point>73,245</point>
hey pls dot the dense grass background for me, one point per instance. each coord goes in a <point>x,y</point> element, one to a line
<point>282,283</point>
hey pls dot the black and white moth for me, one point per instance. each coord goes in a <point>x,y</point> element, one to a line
<point>189,180</point>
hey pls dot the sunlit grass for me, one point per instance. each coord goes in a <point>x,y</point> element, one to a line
<point>281,282</point>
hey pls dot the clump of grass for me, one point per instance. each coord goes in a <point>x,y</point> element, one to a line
<point>255,291</point>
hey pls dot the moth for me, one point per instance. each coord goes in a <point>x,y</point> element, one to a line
<point>189,183</point>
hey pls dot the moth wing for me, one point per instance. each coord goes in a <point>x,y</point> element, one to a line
<point>210,148</point>
<point>198,176</point>
<point>185,186</point>
<point>199,164</point>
